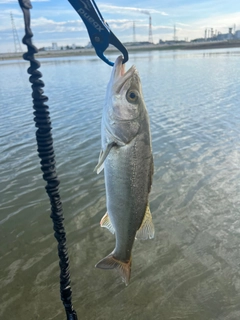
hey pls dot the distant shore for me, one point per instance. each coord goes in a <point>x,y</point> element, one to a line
<point>91,51</point>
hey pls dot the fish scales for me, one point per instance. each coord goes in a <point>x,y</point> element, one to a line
<point>127,196</point>
<point>127,160</point>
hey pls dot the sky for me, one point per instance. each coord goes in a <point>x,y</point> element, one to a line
<point>57,21</point>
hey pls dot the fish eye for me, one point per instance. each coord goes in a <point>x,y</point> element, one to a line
<point>132,96</point>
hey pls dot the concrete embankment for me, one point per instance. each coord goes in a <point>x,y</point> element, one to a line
<point>177,46</point>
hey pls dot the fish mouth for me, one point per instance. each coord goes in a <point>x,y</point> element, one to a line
<point>119,76</point>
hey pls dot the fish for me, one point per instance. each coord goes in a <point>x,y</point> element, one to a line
<point>127,160</point>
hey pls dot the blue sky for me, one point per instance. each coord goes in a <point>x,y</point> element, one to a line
<point>57,21</point>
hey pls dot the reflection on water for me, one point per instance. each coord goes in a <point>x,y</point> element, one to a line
<point>191,269</point>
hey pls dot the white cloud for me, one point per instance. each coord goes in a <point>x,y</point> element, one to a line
<point>183,24</point>
<point>14,1</point>
<point>62,30</point>
<point>123,20</point>
<point>221,21</point>
<point>60,23</point>
<point>44,25</point>
<point>44,22</point>
<point>39,22</point>
<point>15,12</point>
<point>125,24</point>
<point>5,20</point>
<point>162,27</point>
<point>123,10</point>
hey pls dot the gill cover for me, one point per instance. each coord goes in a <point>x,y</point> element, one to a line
<point>124,104</point>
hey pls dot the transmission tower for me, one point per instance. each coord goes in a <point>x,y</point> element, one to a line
<point>150,36</point>
<point>17,44</point>
<point>134,32</point>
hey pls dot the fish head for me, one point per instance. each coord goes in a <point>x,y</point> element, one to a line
<point>124,101</point>
<point>124,92</point>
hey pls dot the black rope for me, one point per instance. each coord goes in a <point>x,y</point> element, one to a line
<point>46,154</point>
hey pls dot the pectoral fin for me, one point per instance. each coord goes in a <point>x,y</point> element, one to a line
<point>102,156</point>
<point>99,167</point>
<point>106,223</point>
<point>146,231</point>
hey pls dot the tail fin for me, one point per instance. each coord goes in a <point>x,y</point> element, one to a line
<point>124,268</point>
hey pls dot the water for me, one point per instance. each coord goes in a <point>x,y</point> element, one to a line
<point>191,269</point>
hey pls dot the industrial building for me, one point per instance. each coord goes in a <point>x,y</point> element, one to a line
<point>218,36</point>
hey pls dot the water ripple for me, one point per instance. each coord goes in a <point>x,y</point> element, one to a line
<point>191,269</point>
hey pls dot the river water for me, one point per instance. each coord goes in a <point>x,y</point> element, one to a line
<point>191,270</point>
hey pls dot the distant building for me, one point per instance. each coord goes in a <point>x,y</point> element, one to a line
<point>54,46</point>
<point>89,45</point>
<point>172,42</point>
<point>198,40</point>
<point>224,36</point>
<point>237,34</point>
<point>47,48</point>
<point>138,43</point>
<point>220,36</point>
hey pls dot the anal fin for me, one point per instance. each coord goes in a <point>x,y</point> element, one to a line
<point>106,223</point>
<point>146,231</point>
<point>123,268</point>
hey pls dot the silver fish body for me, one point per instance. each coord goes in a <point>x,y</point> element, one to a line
<point>127,160</point>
